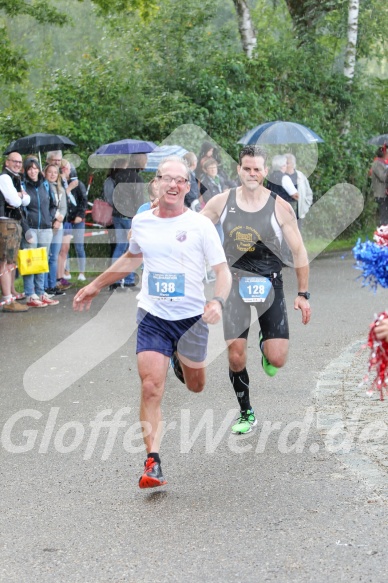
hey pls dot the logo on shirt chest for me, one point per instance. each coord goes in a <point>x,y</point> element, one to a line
<point>181,236</point>
<point>244,238</point>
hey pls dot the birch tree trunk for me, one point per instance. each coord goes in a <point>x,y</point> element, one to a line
<point>351,48</point>
<point>245,26</point>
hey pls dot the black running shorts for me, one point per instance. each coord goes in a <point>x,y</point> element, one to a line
<point>272,313</point>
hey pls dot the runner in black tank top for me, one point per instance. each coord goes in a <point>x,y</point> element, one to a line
<point>254,221</point>
<point>251,239</point>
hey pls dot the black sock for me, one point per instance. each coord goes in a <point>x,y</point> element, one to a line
<point>155,456</point>
<point>240,382</point>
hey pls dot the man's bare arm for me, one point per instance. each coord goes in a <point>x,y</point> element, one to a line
<point>213,308</point>
<point>287,220</point>
<point>215,206</point>
<point>127,263</point>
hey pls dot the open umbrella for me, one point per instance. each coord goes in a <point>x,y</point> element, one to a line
<point>105,154</point>
<point>379,140</point>
<point>125,147</point>
<point>280,132</point>
<point>37,143</point>
<point>161,152</point>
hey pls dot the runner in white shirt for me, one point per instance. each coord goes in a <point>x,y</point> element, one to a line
<point>174,244</point>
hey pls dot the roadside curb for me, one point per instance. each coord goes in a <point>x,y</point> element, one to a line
<point>337,396</point>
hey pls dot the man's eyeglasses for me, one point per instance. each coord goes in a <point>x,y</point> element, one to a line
<point>15,161</point>
<point>179,180</point>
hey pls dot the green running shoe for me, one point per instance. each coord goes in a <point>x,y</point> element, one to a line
<point>245,422</point>
<point>268,368</point>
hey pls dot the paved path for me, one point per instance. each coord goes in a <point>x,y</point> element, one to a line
<point>344,400</point>
<point>247,509</point>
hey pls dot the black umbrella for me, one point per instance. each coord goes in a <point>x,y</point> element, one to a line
<point>37,143</point>
<point>379,140</point>
<point>280,132</point>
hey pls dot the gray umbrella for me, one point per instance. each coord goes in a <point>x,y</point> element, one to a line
<point>379,140</point>
<point>280,132</point>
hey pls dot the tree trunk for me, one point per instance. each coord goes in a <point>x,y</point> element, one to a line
<point>245,26</point>
<point>351,48</point>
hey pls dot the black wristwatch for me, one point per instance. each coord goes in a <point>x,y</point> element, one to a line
<point>220,300</point>
<point>304,295</point>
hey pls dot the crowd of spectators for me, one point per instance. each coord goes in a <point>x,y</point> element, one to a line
<point>39,208</point>
<point>46,207</point>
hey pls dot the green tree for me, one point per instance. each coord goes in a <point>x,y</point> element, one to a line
<point>13,64</point>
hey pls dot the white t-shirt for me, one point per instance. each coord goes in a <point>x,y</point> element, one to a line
<point>174,253</point>
<point>11,194</point>
<point>288,185</point>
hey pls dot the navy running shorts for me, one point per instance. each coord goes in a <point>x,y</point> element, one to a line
<point>188,336</point>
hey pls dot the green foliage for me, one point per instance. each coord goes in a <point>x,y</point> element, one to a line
<point>13,64</point>
<point>144,8</point>
<point>41,10</point>
<point>147,68</point>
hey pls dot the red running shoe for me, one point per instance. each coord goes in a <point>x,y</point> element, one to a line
<point>152,477</point>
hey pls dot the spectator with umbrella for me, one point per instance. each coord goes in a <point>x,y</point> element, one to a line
<point>51,174</point>
<point>74,226</point>
<point>124,191</point>
<point>40,215</point>
<point>379,173</point>
<point>56,157</point>
<point>280,183</point>
<point>302,185</point>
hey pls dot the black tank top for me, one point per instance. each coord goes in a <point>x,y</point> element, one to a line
<point>252,239</point>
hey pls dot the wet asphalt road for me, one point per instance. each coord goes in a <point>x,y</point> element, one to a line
<point>263,507</point>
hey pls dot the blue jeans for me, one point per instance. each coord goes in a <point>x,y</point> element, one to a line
<point>78,234</point>
<point>34,284</point>
<point>122,226</point>
<point>50,278</point>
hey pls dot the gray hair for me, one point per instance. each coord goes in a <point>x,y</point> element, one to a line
<point>291,160</point>
<point>174,159</point>
<point>190,158</point>
<point>53,154</point>
<point>278,161</point>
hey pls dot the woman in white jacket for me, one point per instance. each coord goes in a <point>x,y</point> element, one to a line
<point>302,185</point>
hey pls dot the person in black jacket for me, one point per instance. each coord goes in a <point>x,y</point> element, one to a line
<point>40,214</point>
<point>74,226</point>
<point>124,191</point>
<point>12,198</point>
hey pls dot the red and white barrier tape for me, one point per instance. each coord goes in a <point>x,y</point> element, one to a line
<point>8,271</point>
<point>96,233</point>
<point>4,303</point>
